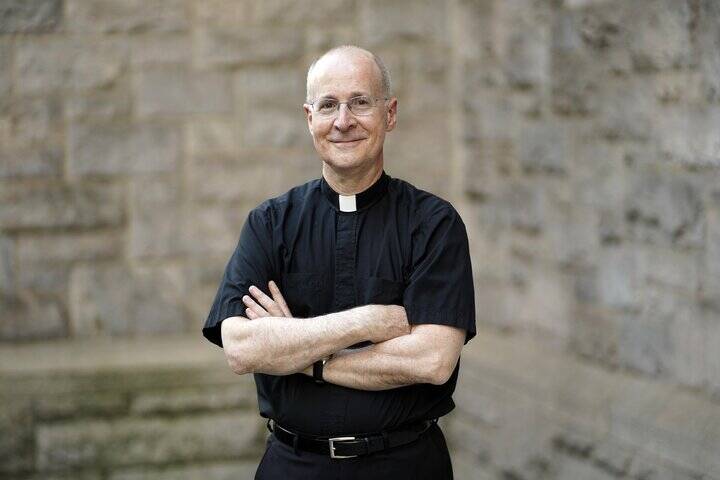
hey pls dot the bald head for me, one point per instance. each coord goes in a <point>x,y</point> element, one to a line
<point>352,55</point>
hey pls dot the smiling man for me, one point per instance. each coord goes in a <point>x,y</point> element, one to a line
<point>349,298</point>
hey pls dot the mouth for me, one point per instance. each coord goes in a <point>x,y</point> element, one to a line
<point>347,142</point>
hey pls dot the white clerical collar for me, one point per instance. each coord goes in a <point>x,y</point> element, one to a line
<point>359,201</point>
<point>347,203</point>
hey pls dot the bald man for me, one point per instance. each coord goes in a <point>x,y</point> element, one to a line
<point>349,298</point>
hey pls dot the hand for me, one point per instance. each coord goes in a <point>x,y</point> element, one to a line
<point>263,306</point>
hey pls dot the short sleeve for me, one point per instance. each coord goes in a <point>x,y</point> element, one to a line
<point>440,288</point>
<point>250,264</point>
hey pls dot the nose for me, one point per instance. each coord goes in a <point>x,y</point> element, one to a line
<point>344,120</point>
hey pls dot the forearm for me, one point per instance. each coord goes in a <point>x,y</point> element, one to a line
<point>282,345</point>
<point>397,362</point>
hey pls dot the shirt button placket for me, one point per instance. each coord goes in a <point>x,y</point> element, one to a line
<point>345,249</point>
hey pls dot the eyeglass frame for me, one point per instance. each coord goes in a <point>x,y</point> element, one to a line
<point>339,103</point>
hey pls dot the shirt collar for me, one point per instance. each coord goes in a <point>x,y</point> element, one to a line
<point>360,201</point>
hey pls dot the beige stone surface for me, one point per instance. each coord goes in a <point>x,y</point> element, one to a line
<point>578,138</point>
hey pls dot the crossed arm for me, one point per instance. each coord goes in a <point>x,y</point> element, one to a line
<point>270,341</point>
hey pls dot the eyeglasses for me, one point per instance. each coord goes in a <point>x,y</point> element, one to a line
<point>360,105</point>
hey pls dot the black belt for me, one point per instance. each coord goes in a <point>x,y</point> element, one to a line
<point>350,446</point>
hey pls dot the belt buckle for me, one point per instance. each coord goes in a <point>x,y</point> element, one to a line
<point>332,447</point>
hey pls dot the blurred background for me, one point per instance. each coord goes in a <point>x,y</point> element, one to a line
<point>579,139</point>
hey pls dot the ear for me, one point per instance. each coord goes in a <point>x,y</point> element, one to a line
<point>308,115</point>
<point>391,115</point>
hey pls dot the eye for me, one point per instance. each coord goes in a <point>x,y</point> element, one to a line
<point>326,105</point>
<point>361,101</point>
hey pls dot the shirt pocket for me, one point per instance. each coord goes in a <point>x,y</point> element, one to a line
<point>302,292</point>
<point>380,291</point>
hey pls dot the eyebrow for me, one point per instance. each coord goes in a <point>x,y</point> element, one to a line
<point>356,93</point>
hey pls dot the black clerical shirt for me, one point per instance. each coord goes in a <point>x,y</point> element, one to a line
<point>390,244</point>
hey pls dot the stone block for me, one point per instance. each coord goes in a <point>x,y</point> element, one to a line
<point>594,335</point>
<point>30,16</point>
<point>260,87</point>
<point>573,469</point>
<point>274,127</point>
<point>712,365</point>
<point>522,43</point>
<point>304,12</point>
<point>8,269</point>
<point>215,228</point>
<point>214,137</point>
<point>184,401</point>
<point>708,46</point>
<point>77,405</point>
<point>587,47</point>
<point>149,441</point>
<point>55,204</point>
<point>6,55</point>
<point>234,47</point>
<point>664,203</point>
<point>688,333</point>
<point>644,342</point>
<point>160,49</point>
<point>688,137</point>
<point>212,471</point>
<point>680,87</point>
<point>423,82</point>
<point>99,105</point>
<point>384,23</point>
<point>177,91</point>
<point>544,147</point>
<point>35,120</point>
<point>16,432</point>
<point>415,150</point>
<point>248,184</point>
<point>221,13</point>
<point>31,317</point>
<point>660,38</point>
<point>670,268</point>
<point>548,302</point>
<point>156,218</point>
<point>45,64</point>
<point>123,148</point>
<point>627,110</point>
<point>523,206</point>
<point>44,278</point>
<point>650,467</point>
<point>614,458</point>
<point>49,247</point>
<point>710,269</point>
<point>31,162</point>
<point>119,300</point>
<point>618,281</point>
<point>133,16</point>
<point>318,41</point>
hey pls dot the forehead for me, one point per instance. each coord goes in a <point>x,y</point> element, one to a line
<point>344,74</point>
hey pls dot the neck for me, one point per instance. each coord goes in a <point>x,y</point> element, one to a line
<point>352,182</point>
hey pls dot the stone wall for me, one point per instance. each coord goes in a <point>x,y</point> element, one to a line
<point>593,177</point>
<point>578,138</point>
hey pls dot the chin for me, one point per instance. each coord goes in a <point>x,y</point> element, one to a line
<point>344,162</point>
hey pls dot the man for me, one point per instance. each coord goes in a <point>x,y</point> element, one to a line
<point>349,298</point>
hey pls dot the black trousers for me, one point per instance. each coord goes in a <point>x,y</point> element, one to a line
<point>426,458</point>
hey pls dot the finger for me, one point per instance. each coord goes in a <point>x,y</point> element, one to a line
<point>249,313</point>
<point>266,302</point>
<point>252,304</point>
<point>277,296</point>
